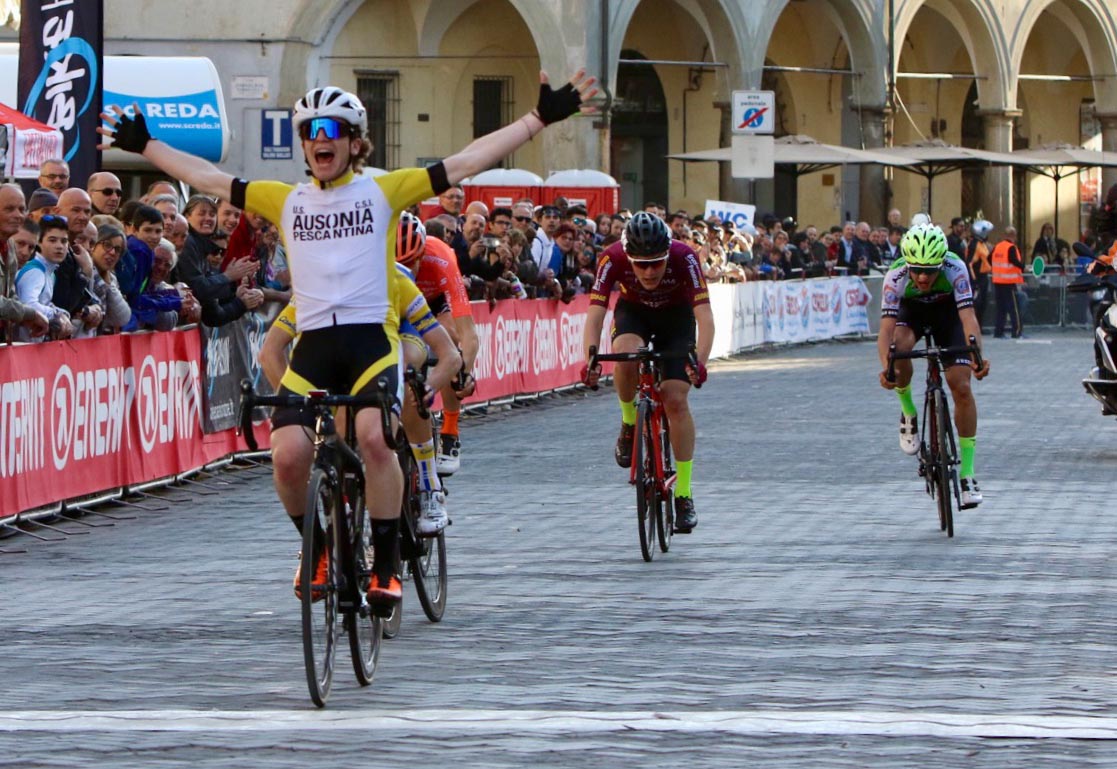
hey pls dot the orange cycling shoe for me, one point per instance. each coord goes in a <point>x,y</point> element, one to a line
<point>384,591</point>
<point>321,578</point>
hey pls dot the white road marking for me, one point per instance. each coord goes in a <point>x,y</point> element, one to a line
<point>740,722</point>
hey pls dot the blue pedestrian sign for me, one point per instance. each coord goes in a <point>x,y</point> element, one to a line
<point>754,112</point>
<point>275,134</point>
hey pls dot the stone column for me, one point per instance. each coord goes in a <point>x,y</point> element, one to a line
<point>996,198</point>
<point>874,195</point>
<point>1108,122</point>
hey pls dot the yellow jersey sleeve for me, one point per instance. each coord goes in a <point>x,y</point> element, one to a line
<point>405,187</point>
<point>412,306</point>
<point>266,199</point>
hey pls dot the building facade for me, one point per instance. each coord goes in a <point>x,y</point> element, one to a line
<point>997,74</point>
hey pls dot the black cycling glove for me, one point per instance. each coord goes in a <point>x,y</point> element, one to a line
<point>131,133</point>
<point>557,105</point>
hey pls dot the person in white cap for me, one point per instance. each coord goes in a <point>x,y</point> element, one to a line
<point>979,256</point>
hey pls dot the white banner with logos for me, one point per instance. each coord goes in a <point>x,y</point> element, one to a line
<point>741,214</point>
<point>759,312</point>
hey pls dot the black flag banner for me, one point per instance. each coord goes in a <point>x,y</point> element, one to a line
<point>61,73</point>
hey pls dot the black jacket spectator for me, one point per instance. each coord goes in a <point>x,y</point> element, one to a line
<point>194,270</point>
<point>72,289</point>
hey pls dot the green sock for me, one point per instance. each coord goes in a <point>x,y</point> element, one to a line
<point>967,447</point>
<point>628,412</point>
<point>682,477</point>
<point>907,405</point>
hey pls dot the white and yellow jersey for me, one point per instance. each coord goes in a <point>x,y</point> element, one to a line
<point>341,241</point>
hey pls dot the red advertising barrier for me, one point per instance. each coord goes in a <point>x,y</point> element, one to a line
<point>86,416</point>
<point>528,346</point>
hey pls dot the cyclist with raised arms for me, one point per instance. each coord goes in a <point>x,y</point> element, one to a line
<point>662,296</point>
<point>419,332</point>
<point>927,288</point>
<point>340,232</point>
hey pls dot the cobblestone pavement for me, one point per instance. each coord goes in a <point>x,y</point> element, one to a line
<point>816,617</point>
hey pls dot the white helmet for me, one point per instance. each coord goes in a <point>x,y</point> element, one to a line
<point>333,102</point>
<point>982,228</point>
<point>920,219</point>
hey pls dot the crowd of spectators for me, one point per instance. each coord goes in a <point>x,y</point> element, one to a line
<point>80,262</point>
<point>86,262</point>
<point>551,251</point>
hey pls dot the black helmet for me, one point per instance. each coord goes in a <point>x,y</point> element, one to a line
<point>645,234</point>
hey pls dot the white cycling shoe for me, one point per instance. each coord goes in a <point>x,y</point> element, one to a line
<point>449,455</point>
<point>433,517</point>
<point>909,435</point>
<point>971,494</point>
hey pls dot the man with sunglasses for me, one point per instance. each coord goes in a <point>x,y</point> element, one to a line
<point>662,295</point>
<point>521,215</point>
<point>54,175</point>
<point>105,192</point>
<point>340,231</point>
<point>928,288</point>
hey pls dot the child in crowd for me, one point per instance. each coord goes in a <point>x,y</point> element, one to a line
<point>35,280</point>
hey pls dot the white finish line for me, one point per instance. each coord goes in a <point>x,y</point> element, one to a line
<point>463,722</point>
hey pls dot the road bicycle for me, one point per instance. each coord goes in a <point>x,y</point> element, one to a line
<point>651,471</point>
<point>938,451</point>
<point>337,527</point>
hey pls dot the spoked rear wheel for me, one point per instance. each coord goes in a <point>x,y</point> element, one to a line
<point>943,464</point>
<point>365,629</point>
<point>390,624</point>
<point>665,509</point>
<point>647,499</point>
<point>319,601</point>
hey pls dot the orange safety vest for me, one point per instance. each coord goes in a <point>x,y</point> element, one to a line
<point>1005,271</point>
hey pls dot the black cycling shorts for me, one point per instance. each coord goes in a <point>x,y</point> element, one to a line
<point>943,321</point>
<point>349,359</point>
<point>670,329</point>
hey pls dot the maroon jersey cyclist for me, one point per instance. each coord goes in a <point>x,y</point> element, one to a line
<point>661,296</point>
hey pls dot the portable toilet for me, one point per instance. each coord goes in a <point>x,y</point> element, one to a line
<point>501,187</point>
<point>596,190</point>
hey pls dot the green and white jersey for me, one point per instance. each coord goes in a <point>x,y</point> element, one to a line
<point>952,282</point>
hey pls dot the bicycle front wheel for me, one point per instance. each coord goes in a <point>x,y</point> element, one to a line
<point>364,627</point>
<point>643,458</point>
<point>944,465</point>
<point>390,623</point>
<point>319,601</point>
<point>428,570</point>
<point>665,507</point>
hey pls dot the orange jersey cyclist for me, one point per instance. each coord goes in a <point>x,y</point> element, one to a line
<point>435,267</point>
<point>340,230</point>
<point>662,295</point>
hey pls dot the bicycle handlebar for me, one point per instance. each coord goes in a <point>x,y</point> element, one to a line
<point>643,354</point>
<point>316,399</point>
<point>933,352</point>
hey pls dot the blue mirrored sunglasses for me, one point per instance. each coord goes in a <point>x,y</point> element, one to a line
<point>334,129</point>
